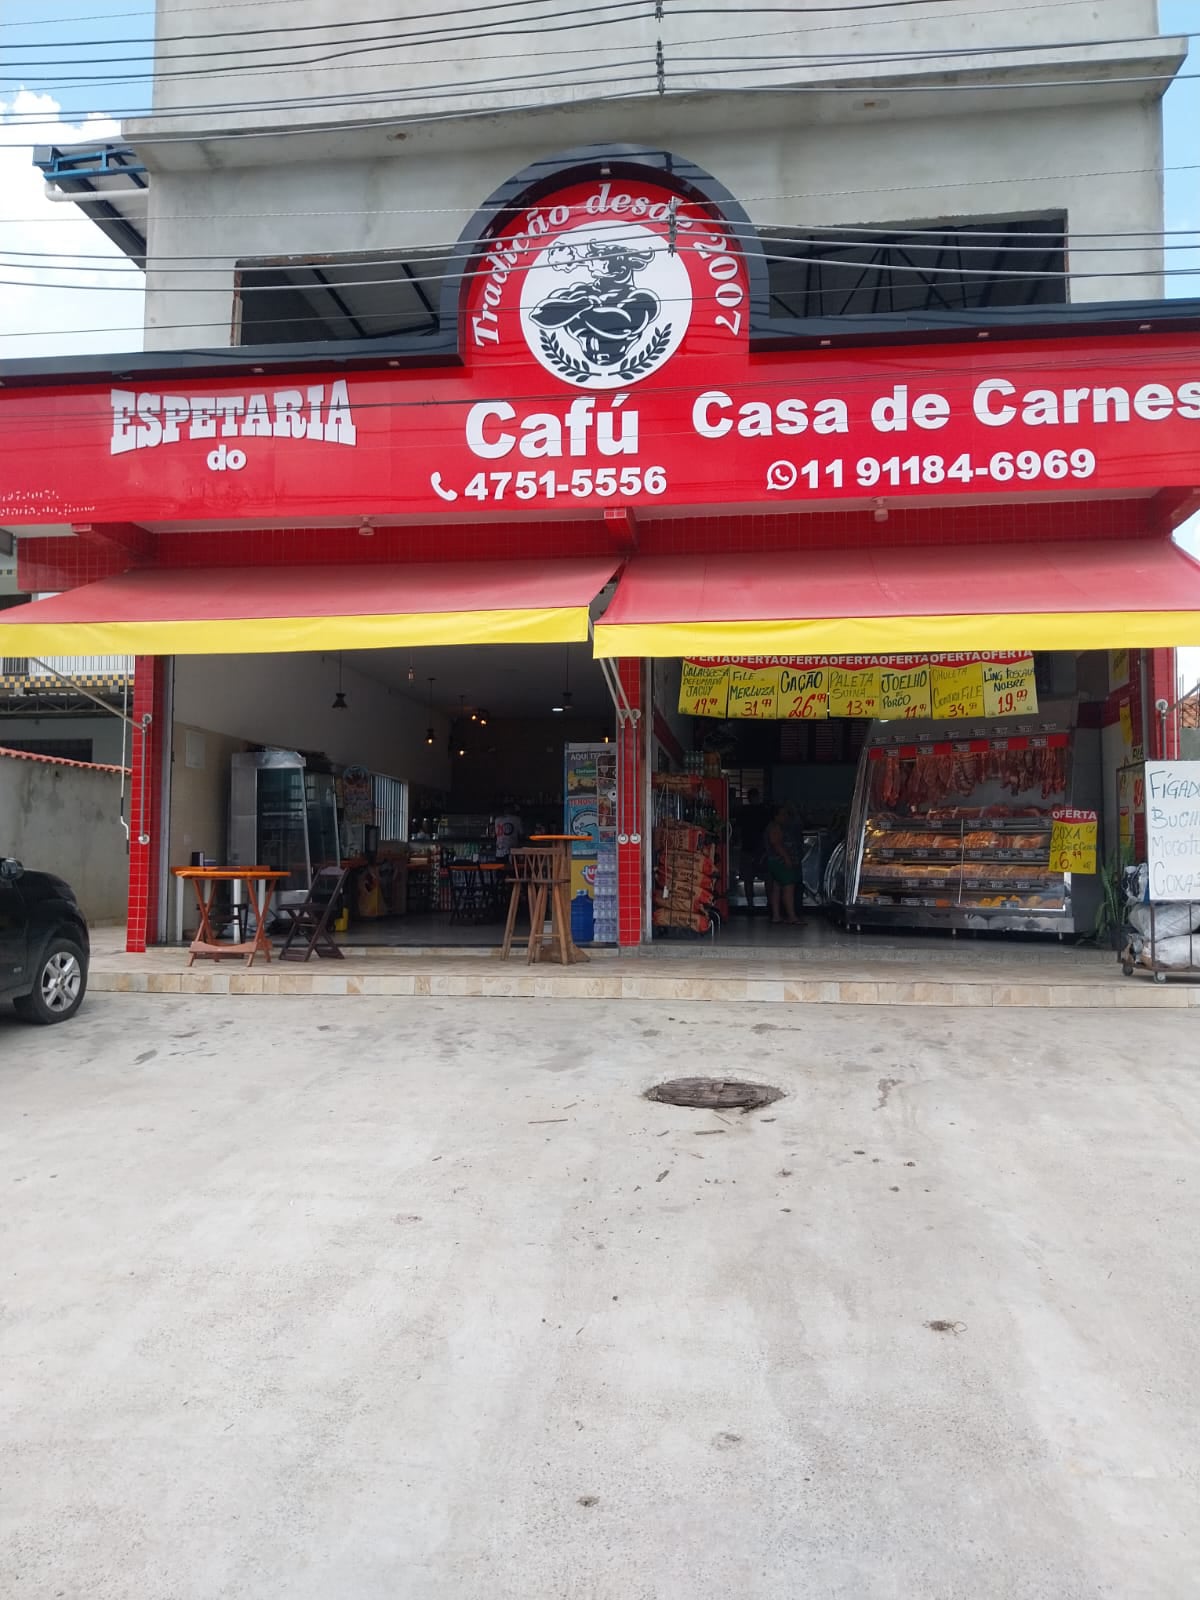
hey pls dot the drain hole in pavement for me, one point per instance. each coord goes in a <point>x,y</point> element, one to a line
<point>715,1094</point>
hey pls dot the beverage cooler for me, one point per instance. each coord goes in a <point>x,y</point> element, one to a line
<point>282,816</point>
<point>590,809</point>
<point>956,832</point>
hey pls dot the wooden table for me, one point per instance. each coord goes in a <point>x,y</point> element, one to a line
<point>206,943</point>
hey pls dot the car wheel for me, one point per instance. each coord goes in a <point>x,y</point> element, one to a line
<point>60,985</point>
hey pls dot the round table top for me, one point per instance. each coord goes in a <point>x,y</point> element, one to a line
<point>228,872</point>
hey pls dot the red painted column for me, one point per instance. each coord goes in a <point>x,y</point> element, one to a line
<point>1161,675</point>
<point>145,801</point>
<point>631,821</point>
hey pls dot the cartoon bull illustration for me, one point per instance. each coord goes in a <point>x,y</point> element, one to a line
<point>608,314</point>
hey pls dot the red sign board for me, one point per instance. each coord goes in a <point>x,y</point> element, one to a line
<point>605,360</point>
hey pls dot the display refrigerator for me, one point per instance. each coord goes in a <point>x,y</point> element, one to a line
<point>590,809</point>
<point>282,816</point>
<point>956,832</point>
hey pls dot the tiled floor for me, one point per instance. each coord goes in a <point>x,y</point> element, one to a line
<point>824,967</point>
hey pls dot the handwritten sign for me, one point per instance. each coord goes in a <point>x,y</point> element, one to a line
<point>1072,840</point>
<point>853,694</point>
<point>703,690</point>
<point>1173,829</point>
<point>1009,688</point>
<point>803,694</point>
<point>903,695</point>
<point>957,692</point>
<point>754,693</point>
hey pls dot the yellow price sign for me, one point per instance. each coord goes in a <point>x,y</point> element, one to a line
<point>957,692</point>
<point>803,694</point>
<point>703,690</point>
<point>903,695</point>
<point>853,694</point>
<point>1009,688</point>
<point>754,693</point>
<point>1073,840</point>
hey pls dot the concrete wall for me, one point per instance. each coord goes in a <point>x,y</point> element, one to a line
<point>104,732</point>
<point>286,700</point>
<point>429,64</point>
<point>200,792</point>
<point>66,820</point>
<point>928,151</point>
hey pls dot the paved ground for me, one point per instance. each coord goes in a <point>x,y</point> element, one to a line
<point>421,1300</point>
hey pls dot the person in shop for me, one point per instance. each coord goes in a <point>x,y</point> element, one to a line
<point>750,821</point>
<point>507,826</point>
<point>783,868</point>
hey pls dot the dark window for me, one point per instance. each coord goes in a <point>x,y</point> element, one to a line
<point>64,749</point>
<point>339,297</point>
<point>945,266</point>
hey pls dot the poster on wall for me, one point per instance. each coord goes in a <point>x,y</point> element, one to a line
<point>1172,798</point>
<point>949,688</point>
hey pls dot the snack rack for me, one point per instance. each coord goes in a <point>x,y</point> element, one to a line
<point>955,832</point>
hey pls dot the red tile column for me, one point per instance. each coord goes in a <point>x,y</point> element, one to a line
<point>631,822</point>
<point>145,800</point>
<point>1162,745</point>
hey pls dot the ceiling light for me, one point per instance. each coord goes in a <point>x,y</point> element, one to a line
<point>339,699</point>
<point>881,511</point>
<point>429,736</point>
<point>556,708</point>
<point>483,718</point>
<point>365,530</point>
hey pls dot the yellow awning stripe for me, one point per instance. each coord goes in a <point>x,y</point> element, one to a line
<point>852,636</point>
<point>272,635</point>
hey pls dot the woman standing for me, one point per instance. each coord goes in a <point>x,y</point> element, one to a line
<point>783,869</point>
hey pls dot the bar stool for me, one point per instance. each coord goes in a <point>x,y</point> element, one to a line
<point>540,875</point>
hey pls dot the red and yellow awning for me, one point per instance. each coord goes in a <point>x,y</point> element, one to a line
<point>246,610</point>
<point>1071,596</point>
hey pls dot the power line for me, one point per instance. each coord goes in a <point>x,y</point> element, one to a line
<point>364,22</point>
<point>381,124</point>
<point>856,60</point>
<point>805,195</point>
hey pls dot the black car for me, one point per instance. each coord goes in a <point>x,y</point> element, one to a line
<point>43,944</point>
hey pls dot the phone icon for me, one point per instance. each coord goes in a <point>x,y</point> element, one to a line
<point>435,479</point>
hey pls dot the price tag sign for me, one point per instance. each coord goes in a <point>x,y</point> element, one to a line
<point>958,691</point>
<point>903,695</point>
<point>803,694</point>
<point>754,693</point>
<point>1009,688</point>
<point>853,694</point>
<point>1072,840</point>
<point>703,690</point>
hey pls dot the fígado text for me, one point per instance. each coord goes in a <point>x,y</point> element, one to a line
<point>144,421</point>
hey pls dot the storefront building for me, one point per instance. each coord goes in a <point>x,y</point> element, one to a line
<point>810,480</point>
<point>612,401</point>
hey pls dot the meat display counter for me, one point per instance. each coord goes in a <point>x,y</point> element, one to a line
<point>956,832</point>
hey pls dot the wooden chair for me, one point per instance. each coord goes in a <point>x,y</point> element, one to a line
<point>314,917</point>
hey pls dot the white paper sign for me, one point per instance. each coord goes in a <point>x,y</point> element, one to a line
<point>1173,829</point>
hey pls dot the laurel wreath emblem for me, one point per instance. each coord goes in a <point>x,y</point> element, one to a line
<point>648,356</point>
<point>576,370</point>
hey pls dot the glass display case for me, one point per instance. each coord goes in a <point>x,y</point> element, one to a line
<point>956,832</point>
<point>282,816</point>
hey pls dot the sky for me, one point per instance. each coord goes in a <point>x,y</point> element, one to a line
<point>36,320</point>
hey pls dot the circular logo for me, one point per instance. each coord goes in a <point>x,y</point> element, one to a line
<point>605,305</point>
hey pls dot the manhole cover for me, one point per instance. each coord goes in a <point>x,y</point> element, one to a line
<point>717,1094</point>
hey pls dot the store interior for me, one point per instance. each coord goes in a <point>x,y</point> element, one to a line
<point>401,765</point>
<point>418,769</point>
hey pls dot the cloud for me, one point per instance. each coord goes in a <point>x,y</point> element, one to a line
<point>43,319</point>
